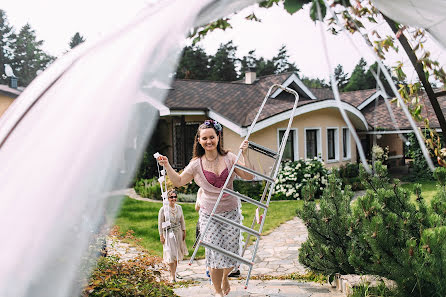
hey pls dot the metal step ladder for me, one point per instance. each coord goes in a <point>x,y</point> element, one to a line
<point>270,183</point>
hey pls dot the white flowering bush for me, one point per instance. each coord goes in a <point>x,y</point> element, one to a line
<point>294,175</point>
<point>379,153</point>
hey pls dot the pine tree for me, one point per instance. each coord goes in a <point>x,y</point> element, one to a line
<point>340,77</point>
<point>193,64</point>
<point>327,248</point>
<point>222,65</point>
<point>358,79</point>
<point>398,239</point>
<point>282,63</point>
<point>28,55</point>
<point>7,37</point>
<point>76,40</point>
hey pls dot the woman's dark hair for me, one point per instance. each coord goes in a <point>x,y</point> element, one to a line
<point>198,150</point>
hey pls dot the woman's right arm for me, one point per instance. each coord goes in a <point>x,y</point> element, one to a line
<point>178,180</point>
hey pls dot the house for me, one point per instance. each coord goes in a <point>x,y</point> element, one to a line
<point>318,129</point>
<point>7,94</point>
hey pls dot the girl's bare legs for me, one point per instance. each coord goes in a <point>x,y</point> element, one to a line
<point>217,277</point>
<point>220,280</point>
<point>225,286</point>
<point>172,269</point>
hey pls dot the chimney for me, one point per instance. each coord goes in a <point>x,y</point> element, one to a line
<point>13,82</point>
<point>250,76</point>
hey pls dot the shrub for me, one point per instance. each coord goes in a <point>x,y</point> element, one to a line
<point>138,277</point>
<point>252,189</point>
<point>398,239</point>
<point>148,188</point>
<point>349,174</point>
<point>419,169</point>
<point>327,247</point>
<point>294,175</point>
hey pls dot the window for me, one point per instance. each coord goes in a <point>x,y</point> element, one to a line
<point>312,143</point>
<point>346,143</point>
<point>184,136</point>
<point>332,144</point>
<point>290,152</point>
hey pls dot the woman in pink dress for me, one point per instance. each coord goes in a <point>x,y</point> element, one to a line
<point>209,168</point>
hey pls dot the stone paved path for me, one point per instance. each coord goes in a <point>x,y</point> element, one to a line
<point>277,255</point>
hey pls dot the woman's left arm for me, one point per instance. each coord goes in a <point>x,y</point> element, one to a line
<point>245,162</point>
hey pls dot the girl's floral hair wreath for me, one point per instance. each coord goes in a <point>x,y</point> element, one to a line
<point>212,124</point>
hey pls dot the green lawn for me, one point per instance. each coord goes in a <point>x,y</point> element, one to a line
<point>428,189</point>
<point>142,218</point>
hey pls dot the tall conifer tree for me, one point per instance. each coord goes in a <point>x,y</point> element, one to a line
<point>28,55</point>
<point>6,39</point>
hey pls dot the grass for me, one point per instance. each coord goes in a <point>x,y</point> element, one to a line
<point>428,189</point>
<point>142,218</point>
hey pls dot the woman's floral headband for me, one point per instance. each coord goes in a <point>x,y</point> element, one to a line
<point>213,124</point>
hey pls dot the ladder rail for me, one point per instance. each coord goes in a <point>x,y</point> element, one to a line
<point>270,183</point>
<point>275,171</point>
<point>237,158</point>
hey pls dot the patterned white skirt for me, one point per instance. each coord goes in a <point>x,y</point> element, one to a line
<point>222,235</point>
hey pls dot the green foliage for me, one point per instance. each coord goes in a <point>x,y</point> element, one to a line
<point>193,64</point>
<point>362,78</point>
<point>292,6</point>
<point>252,189</point>
<point>358,80</point>
<point>398,239</point>
<point>189,188</point>
<point>112,277</point>
<point>7,37</point>
<point>420,171</point>
<point>349,173</point>
<point>293,176</point>
<point>327,247</point>
<point>222,64</point>
<point>29,58</point>
<point>148,188</point>
<point>366,290</point>
<point>340,77</point>
<point>76,40</point>
<point>314,82</point>
<point>278,64</point>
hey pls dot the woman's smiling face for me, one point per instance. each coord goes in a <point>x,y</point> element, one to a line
<point>208,139</point>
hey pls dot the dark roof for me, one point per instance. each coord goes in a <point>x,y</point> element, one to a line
<point>239,102</point>
<point>355,98</point>
<point>8,91</point>
<point>380,118</point>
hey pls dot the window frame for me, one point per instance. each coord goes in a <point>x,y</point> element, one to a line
<point>348,146</point>
<point>294,134</point>
<point>336,144</point>
<point>318,145</point>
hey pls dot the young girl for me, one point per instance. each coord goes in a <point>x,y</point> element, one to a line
<point>173,237</point>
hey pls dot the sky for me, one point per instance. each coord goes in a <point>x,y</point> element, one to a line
<point>56,21</point>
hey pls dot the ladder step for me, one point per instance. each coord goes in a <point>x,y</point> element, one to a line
<point>235,224</point>
<point>245,198</point>
<point>254,173</point>
<point>261,149</point>
<point>227,253</point>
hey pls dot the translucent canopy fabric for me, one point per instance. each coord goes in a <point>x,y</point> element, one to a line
<point>428,14</point>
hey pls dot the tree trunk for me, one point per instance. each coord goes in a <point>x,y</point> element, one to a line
<point>420,72</point>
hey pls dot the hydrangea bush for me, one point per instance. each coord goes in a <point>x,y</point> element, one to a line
<point>293,176</point>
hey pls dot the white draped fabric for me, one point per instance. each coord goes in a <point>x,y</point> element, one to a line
<point>75,135</point>
<point>428,14</point>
